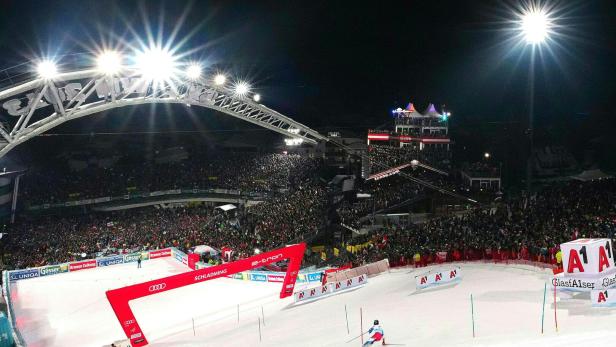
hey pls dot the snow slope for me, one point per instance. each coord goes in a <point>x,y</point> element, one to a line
<point>71,310</point>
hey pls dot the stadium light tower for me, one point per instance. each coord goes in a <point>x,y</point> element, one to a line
<point>535,27</point>
<point>47,69</point>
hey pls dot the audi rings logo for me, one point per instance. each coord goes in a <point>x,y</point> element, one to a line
<point>156,287</point>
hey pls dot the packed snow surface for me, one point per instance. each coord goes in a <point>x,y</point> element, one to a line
<point>71,309</point>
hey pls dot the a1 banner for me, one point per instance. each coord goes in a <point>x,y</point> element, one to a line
<point>82,265</point>
<point>312,293</point>
<point>603,298</point>
<point>438,278</point>
<point>350,283</point>
<point>331,287</point>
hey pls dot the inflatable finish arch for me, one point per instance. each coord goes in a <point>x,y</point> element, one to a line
<point>119,298</point>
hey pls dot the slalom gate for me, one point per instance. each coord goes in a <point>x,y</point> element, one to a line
<point>120,298</point>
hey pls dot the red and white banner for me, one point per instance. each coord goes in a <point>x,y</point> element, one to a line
<point>312,293</point>
<point>603,298</point>
<point>438,278</point>
<point>378,137</point>
<point>388,172</point>
<point>159,253</point>
<point>82,265</point>
<point>441,256</point>
<point>350,283</point>
<point>275,278</point>
<point>331,287</point>
<point>588,257</point>
<point>120,298</point>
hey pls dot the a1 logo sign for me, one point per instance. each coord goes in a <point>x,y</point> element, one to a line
<point>592,257</point>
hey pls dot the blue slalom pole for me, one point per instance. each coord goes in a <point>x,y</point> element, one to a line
<point>545,288</point>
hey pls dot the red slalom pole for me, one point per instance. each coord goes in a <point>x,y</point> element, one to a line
<point>555,319</point>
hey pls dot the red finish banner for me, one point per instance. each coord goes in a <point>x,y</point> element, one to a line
<point>82,265</point>
<point>159,253</point>
<point>119,298</point>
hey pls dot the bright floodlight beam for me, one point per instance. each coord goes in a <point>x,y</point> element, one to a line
<point>156,64</point>
<point>109,62</point>
<point>241,88</point>
<point>256,97</point>
<point>220,79</point>
<point>535,26</point>
<point>47,69</point>
<point>193,71</point>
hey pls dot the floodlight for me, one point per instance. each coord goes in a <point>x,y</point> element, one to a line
<point>109,62</point>
<point>486,155</point>
<point>156,64</point>
<point>220,79</point>
<point>193,71</point>
<point>256,97</point>
<point>47,69</point>
<point>535,26</point>
<point>241,88</point>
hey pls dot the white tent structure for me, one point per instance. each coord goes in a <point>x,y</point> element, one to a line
<point>227,207</point>
<point>591,175</point>
<point>411,112</point>
<point>432,112</point>
<point>203,249</point>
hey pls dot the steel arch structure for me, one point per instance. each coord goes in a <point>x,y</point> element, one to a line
<point>36,106</point>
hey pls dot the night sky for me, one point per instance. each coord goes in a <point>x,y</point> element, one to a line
<point>348,63</point>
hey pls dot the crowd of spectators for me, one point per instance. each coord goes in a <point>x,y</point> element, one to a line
<point>481,169</point>
<point>282,219</point>
<point>249,172</point>
<point>390,191</point>
<point>382,157</point>
<point>529,228</point>
<point>295,207</point>
<point>383,193</point>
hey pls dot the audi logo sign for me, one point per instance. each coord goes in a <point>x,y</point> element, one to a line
<point>156,287</point>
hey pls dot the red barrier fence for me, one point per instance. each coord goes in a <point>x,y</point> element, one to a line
<point>119,298</point>
<point>490,255</point>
